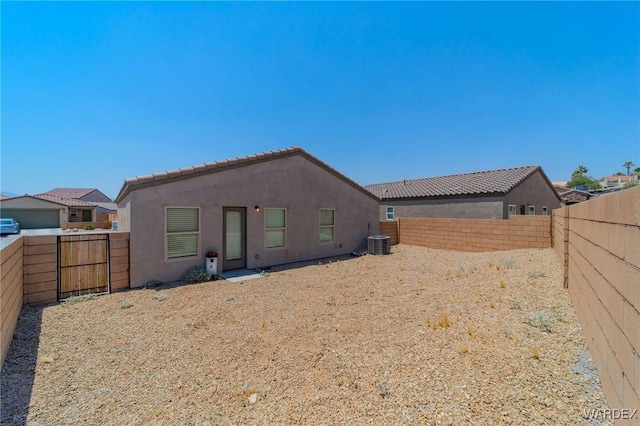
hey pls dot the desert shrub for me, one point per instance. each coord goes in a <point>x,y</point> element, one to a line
<point>540,320</point>
<point>152,284</point>
<point>77,299</point>
<point>89,227</point>
<point>125,304</point>
<point>195,275</point>
<point>509,263</point>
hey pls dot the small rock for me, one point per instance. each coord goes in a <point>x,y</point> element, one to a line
<point>253,398</point>
<point>229,298</point>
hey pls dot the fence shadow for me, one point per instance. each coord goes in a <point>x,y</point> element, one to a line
<point>18,371</point>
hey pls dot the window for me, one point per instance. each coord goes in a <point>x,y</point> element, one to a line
<point>276,227</point>
<point>327,225</point>
<point>73,213</point>
<point>183,232</point>
<point>532,209</point>
<point>545,210</point>
<point>512,209</point>
<point>390,213</point>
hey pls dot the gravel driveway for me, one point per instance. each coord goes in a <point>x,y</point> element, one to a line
<point>421,336</point>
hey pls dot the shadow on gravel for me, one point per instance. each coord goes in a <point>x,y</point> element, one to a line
<point>18,371</point>
<point>160,286</point>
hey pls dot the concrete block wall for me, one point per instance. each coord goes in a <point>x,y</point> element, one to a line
<point>11,271</point>
<point>532,231</point>
<point>603,270</point>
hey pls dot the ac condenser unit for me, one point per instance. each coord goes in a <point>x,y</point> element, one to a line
<point>379,244</point>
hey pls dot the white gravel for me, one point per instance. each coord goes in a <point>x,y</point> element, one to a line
<point>421,336</point>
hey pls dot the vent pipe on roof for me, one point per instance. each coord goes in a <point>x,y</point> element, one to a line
<point>404,182</point>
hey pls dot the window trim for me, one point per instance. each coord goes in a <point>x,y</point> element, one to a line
<point>531,210</point>
<point>284,229</point>
<point>166,234</point>
<point>393,212</point>
<point>545,210</point>
<point>333,227</point>
<point>73,213</point>
<point>515,210</point>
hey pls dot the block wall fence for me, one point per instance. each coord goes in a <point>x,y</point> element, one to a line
<point>29,275</point>
<point>471,234</point>
<point>599,243</point>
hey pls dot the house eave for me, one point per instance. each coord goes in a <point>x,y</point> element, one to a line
<point>155,179</point>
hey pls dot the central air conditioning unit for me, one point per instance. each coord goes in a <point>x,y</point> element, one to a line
<point>379,244</point>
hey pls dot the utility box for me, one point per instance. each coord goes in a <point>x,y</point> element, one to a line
<point>212,267</point>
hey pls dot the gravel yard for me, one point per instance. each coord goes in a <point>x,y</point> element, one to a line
<point>421,336</point>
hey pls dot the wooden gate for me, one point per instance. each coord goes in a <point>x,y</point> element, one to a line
<point>83,265</point>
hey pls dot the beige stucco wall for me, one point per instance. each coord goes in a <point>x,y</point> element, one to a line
<point>30,203</point>
<point>460,208</point>
<point>535,191</point>
<point>291,182</point>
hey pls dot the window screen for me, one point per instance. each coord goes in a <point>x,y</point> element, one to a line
<point>327,225</point>
<point>183,232</point>
<point>275,227</point>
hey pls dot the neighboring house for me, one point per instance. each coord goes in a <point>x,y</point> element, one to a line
<point>256,211</point>
<point>105,206</point>
<point>617,181</point>
<point>46,211</point>
<point>571,195</point>
<point>493,194</point>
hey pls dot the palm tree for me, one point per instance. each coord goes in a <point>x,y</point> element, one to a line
<point>628,165</point>
<point>580,171</point>
<point>636,171</point>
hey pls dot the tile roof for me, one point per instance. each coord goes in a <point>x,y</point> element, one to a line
<point>476,183</point>
<point>69,202</point>
<point>71,192</point>
<point>105,205</point>
<point>217,166</point>
<point>572,194</point>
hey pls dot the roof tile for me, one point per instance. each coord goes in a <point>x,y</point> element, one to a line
<point>475,183</point>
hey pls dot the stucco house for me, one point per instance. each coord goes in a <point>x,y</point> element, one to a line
<point>256,211</point>
<point>106,209</point>
<point>618,181</point>
<point>492,194</point>
<point>46,210</point>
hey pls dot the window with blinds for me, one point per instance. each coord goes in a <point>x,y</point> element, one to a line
<point>183,232</point>
<point>275,227</point>
<point>327,225</point>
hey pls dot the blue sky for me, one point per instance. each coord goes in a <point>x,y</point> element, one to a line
<point>93,93</point>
